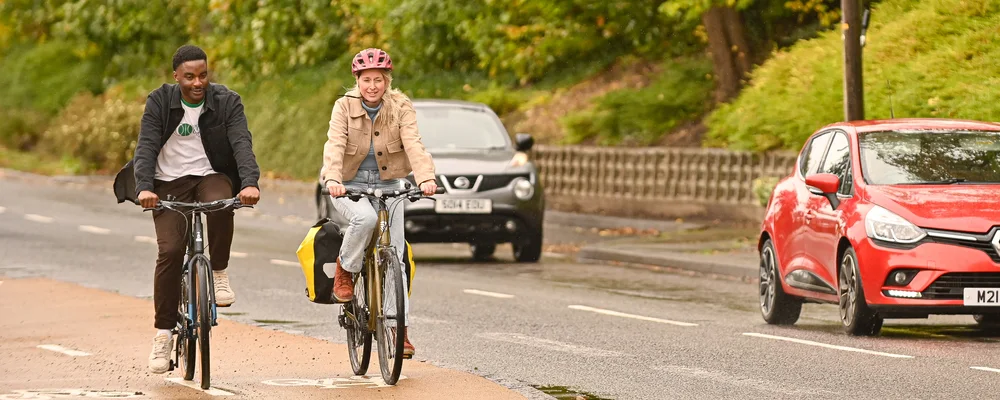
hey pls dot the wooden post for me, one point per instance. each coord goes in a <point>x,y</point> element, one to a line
<point>854,106</point>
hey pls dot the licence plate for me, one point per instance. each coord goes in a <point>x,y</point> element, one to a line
<point>981,297</point>
<point>463,206</point>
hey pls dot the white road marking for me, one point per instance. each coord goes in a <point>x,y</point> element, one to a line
<point>38,218</point>
<point>546,344</point>
<point>236,254</point>
<point>489,294</point>
<point>63,350</point>
<point>334,383</point>
<point>987,369</point>
<point>94,229</point>
<point>824,345</point>
<point>145,239</point>
<point>284,263</point>
<point>2,210</point>
<point>211,391</point>
<point>722,377</point>
<point>554,255</point>
<point>633,316</point>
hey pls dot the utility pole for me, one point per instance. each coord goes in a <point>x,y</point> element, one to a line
<point>854,105</point>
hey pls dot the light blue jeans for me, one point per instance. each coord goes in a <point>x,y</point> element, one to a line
<point>363,220</point>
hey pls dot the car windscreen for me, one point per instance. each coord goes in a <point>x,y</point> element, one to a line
<point>456,128</point>
<point>930,157</point>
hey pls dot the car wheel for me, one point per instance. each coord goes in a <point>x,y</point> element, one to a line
<point>777,307</point>
<point>529,250</point>
<point>483,251</point>
<point>857,318</point>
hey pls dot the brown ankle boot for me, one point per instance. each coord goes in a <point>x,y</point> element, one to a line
<point>343,284</point>
<point>408,349</point>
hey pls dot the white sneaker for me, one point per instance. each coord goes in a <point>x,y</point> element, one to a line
<point>159,358</point>
<point>224,296</point>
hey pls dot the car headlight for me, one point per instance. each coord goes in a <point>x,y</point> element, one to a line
<point>884,225</point>
<point>523,189</point>
<point>520,158</point>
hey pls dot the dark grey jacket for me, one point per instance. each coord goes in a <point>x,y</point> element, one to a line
<point>224,133</point>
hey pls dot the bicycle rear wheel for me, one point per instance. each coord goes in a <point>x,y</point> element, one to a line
<point>204,321</point>
<point>186,342</point>
<point>359,338</point>
<point>391,322</point>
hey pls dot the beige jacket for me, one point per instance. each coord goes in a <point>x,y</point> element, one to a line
<point>398,149</point>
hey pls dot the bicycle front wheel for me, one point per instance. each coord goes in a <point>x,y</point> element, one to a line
<point>204,321</point>
<point>186,343</point>
<point>359,337</point>
<point>391,320</point>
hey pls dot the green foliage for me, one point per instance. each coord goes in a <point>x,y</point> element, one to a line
<point>641,116</point>
<point>38,81</point>
<point>99,131</point>
<point>763,187</point>
<point>936,58</point>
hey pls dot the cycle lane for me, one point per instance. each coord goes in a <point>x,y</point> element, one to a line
<point>59,340</point>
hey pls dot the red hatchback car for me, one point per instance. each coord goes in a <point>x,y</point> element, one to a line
<point>889,219</point>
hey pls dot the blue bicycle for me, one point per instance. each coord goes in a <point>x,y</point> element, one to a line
<point>197,305</point>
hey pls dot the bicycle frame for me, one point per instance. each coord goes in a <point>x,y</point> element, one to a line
<point>196,252</point>
<point>373,265</point>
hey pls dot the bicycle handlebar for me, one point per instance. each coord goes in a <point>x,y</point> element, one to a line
<point>180,205</point>
<point>356,194</point>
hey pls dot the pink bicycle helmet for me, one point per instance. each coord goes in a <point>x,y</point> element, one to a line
<point>371,58</point>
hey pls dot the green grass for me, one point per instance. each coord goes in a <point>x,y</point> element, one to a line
<point>938,56</point>
<point>642,116</point>
<point>37,163</point>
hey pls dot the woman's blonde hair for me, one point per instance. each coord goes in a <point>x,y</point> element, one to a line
<point>392,98</point>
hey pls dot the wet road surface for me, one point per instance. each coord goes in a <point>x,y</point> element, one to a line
<point>620,333</point>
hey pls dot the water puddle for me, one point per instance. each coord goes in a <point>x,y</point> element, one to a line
<point>565,393</point>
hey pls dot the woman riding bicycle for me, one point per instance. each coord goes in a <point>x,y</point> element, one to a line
<point>372,142</point>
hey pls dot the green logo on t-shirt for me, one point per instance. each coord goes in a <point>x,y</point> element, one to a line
<point>185,129</point>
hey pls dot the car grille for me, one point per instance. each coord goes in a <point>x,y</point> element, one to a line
<point>490,182</point>
<point>984,246</point>
<point>951,286</point>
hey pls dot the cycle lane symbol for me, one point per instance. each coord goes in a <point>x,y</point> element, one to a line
<point>365,382</point>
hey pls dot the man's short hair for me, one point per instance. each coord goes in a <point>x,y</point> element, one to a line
<point>188,53</point>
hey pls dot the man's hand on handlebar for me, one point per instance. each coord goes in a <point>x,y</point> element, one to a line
<point>336,189</point>
<point>148,199</point>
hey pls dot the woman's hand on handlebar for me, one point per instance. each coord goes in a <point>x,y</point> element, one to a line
<point>336,189</point>
<point>429,187</point>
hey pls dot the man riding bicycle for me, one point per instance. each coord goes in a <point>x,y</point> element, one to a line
<point>372,142</point>
<point>194,145</point>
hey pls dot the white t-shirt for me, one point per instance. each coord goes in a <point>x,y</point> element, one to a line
<point>184,154</point>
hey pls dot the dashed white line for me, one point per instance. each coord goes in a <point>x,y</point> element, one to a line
<point>211,391</point>
<point>987,369</point>
<point>284,263</point>
<point>38,218</point>
<point>145,239</point>
<point>94,229</point>
<point>63,350</point>
<point>236,254</point>
<point>552,345</point>
<point>633,316</point>
<point>489,294</point>
<point>824,345</point>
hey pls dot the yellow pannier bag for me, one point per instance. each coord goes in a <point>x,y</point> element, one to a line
<point>317,256</point>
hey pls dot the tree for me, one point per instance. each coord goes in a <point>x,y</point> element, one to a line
<point>727,39</point>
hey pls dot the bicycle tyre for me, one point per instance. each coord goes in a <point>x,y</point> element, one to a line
<point>204,323</point>
<point>390,347</point>
<point>187,346</point>
<point>358,336</point>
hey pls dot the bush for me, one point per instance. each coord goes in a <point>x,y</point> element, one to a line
<point>938,55</point>
<point>763,187</point>
<point>641,116</point>
<point>99,132</point>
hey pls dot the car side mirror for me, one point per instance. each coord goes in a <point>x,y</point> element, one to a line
<point>524,141</point>
<point>825,185</point>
